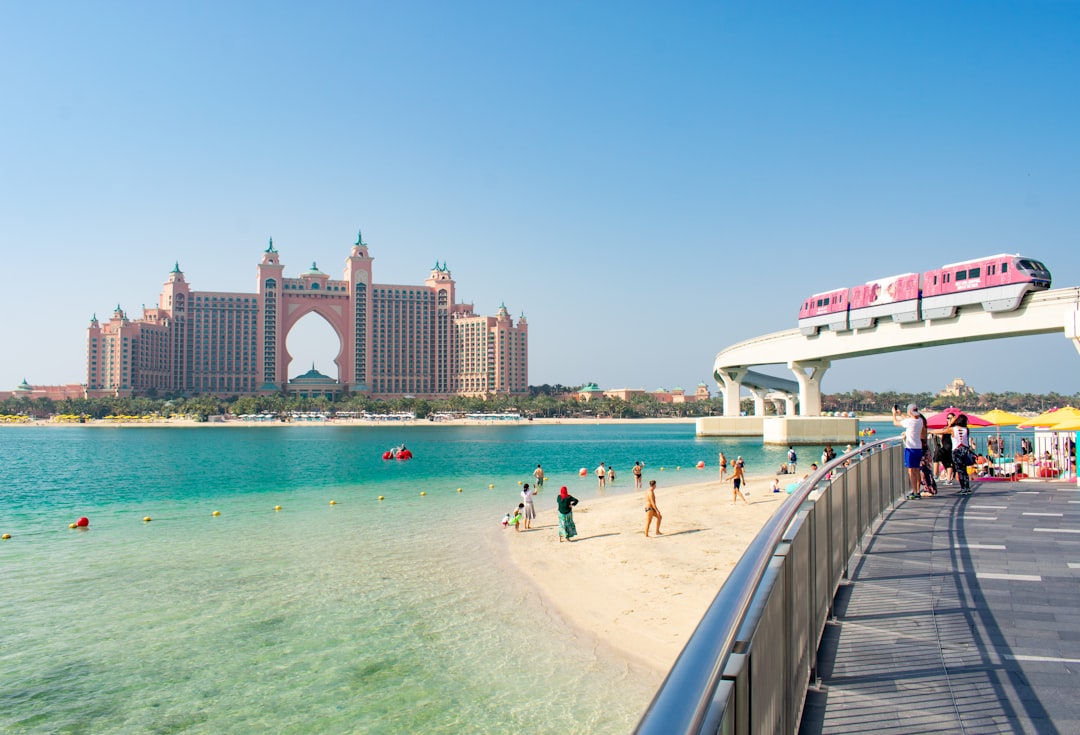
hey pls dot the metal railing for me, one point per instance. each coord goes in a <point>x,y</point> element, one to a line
<point>747,666</point>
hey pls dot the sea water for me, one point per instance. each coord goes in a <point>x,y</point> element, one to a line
<point>391,616</point>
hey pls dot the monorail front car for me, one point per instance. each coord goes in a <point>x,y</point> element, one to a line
<point>998,282</point>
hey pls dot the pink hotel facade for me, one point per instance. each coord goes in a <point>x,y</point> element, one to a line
<point>395,340</point>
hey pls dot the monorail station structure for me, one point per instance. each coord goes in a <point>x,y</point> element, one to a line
<point>394,340</point>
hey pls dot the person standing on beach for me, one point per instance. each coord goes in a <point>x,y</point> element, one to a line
<point>566,503</point>
<point>637,475</point>
<point>601,475</point>
<point>792,460</point>
<point>538,473</point>
<point>738,479</point>
<point>530,509</point>
<point>914,436</point>
<point>723,467</point>
<point>651,511</point>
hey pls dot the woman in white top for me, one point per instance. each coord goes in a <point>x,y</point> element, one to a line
<point>962,457</point>
<point>530,508</point>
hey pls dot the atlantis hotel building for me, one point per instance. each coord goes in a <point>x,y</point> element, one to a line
<point>394,340</point>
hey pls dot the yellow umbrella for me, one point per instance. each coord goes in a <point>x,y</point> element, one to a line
<point>1050,418</point>
<point>997,417</point>
<point>1072,424</point>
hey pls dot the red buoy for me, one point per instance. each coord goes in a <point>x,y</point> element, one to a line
<point>83,522</point>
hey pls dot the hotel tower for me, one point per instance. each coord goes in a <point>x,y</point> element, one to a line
<point>395,340</point>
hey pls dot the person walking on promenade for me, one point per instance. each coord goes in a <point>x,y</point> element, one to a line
<point>538,473</point>
<point>962,456</point>
<point>601,475</point>
<point>637,475</point>
<point>530,508</point>
<point>914,436</point>
<point>566,502</point>
<point>723,467</point>
<point>943,455</point>
<point>651,511</point>
<point>738,479</point>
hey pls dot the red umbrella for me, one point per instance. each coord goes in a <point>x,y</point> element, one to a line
<point>939,420</point>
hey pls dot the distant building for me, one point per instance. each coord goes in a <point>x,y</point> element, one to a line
<point>624,394</point>
<point>588,392</point>
<point>52,392</point>
<point>678,395</point>
<point>395,340</point>
<point>957,388</point>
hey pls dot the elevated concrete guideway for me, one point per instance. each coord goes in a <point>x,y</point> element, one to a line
<point>808,357</point>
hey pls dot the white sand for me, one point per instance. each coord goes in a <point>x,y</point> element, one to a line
<point>642,596</point>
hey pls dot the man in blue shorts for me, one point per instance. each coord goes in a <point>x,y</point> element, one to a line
<point>914,438</point>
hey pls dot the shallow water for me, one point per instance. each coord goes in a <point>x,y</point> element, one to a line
<point>391,616</point>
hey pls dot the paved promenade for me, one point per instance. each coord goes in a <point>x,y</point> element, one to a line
<point>962,616</point>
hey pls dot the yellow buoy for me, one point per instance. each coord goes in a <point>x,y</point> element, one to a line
<point>277,507</point>
<point>678,467</point>
<point>216,513</point>
<point>380,497</point>
<point>459,489</point>
<point>71,525</point>
<point>333,502</point>
<point>661,469</point>
<point>422,493</point>
<point>491,487</point>
<point>6,536</point>
<point>147,519</point>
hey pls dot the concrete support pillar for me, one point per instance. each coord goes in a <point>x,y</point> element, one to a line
<point>1072,327</point>
<point>789,405</point>
<point>809,384</point>
<point>730,386</point>
<point>759,401</point>
<point>779,405</point>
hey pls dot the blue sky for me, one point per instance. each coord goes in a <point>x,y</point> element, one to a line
<point>647,182</point>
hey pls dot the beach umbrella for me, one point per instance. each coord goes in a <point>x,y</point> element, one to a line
<point>997,417</point>
<point>1072,424</point>
<point>1053,416</point>
<point>940,420</point>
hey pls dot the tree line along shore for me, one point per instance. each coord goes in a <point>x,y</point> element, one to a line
<point>544,402</point>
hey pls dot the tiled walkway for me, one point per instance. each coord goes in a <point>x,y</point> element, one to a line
<point>962,615</point>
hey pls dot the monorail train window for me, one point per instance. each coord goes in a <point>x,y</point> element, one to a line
<point>1004,267</point>
<point>961,275</point>
<point>974,273</point>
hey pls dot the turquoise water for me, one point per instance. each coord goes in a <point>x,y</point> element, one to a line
<point>391,616</point>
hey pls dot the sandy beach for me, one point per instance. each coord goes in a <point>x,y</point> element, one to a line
<point>641,596</point>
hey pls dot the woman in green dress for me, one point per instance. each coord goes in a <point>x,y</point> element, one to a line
<point>566,503</point>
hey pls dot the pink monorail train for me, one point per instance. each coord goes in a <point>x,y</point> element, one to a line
<point>998,282</point>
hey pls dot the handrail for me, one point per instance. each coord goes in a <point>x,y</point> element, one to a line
<point>685,702</point>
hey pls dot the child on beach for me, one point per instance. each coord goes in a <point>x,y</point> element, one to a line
<point>506,520</point>
<point>515,520</point>
<point>776,484</point>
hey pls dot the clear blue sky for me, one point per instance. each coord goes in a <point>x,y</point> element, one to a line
<point>647,182</point>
